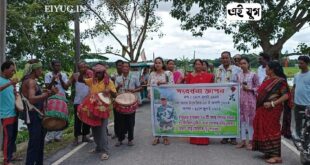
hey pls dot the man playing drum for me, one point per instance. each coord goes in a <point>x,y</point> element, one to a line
<point>127,82</point>
<point>101,83</point>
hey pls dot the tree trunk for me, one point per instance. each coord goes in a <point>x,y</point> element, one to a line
<point>273,51</point>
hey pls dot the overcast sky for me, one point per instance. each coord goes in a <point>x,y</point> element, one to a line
<point>177,43</point>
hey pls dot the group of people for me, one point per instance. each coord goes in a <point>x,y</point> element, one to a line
<point>264,96</point>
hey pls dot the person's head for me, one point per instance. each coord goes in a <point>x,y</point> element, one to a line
<point>263,59</point>
<point>56,66</point>
<point>99,71</point>
<point>146,70</point>
<point>82,66</point>
<point>8,69</point>
<point>274,68</point>
<point>159,64</point>
<point>205,65</point>
<point>34,68</point>
<point>244,63</point>
<point>126,67</point>
<point>198,65</point>
<point>225,58</point>
<point>170,65</point>
<point>237,59</point>
<point>303,62</point>
<point>119,66</point>
<point>163,100</point>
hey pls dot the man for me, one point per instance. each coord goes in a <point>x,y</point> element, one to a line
<point>119,68</point>
<point>301,91</point>
<point>165,115</point>
<point>32,91</point>
<point>263,60</point>
<point>81,91</point>
<point>57,79</point>
<point>224,74</point>
<point>237,59</point>
<point>101,83</point>
<point>7,110</point>
<point>127,82</point>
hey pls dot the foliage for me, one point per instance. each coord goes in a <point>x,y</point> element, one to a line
<point>135,17</point>
<point>281,19</point>
<point>34,33</point>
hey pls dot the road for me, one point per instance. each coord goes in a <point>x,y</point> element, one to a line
<point>178,152</point>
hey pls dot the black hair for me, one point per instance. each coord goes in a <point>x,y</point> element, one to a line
<point>199,61</point>
<point>265,56</point>
<point>277,69</point>
<point>126,62</point>
<point>162,61</point>
<point>305,59</point>
<point>246,59</point>
<point>55,62</point>
<point>119,61</point>
<point>6,65</point>
<point>227,53</point>
<point>206,63</point>
<point>169,61</point>
<point>99,63</point>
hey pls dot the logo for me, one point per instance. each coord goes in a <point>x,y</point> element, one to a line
<point>65,8</point>
<point>244,11</point>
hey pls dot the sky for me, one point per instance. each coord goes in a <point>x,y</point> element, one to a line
<point>177,43</point>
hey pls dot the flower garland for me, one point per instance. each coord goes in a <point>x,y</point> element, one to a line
<point>227,77</point>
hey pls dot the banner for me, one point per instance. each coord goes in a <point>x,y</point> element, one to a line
<point>196,110</point>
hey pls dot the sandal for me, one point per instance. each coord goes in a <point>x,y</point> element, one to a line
<point>240,145</point>
<point>155,141</point>
<point>104,156</point>
<point>233,142</point>
<point>274,160</point>
<point>166,141</point>
<point>118,144</point>
<point>130,143</point>
<point>224,141</point>
<point>249,147</point>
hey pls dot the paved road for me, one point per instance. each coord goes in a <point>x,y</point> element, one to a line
<point>178,152</point>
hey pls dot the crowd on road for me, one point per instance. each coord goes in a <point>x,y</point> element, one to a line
<point>264,97</point>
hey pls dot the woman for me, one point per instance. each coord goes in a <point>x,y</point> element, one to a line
<point>205,66</point>
<point>272,96</point>
<point>159,77</point>
<point>249,84</point>
<point>199,76</point>
<point>177,75</point>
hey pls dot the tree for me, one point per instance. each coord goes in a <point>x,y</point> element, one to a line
<point>281,19</point>
<point>138,19</point>
<point>34,33</point>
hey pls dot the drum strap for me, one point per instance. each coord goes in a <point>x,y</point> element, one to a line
<point>127,86</point>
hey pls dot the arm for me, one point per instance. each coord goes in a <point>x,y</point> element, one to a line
<point>31,90</point>
<point>63,81</point>
<point>7,85</point>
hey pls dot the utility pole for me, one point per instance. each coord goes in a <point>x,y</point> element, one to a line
<point>194,54</point>
<point>77,40</point>
<point>3,5</point>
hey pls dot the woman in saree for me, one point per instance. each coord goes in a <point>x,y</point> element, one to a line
<point>199,76</point>
<point>273,95</point>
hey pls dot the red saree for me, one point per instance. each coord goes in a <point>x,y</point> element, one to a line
<point>203,77</point>
<point>266,124</point>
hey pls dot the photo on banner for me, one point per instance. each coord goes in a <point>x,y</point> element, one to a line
<point>196,110</point>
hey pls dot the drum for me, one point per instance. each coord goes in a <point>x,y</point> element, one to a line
<point>56,114</point>
<point>84,112</point>
<point>126,103</point>
<point>101,107</point>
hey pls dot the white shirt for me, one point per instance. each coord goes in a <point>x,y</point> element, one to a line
<point>229,75</point>
<point>48,79</point>
<point>261,72</point>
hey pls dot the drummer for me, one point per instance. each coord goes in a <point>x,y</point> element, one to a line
<point>127,82</point>
<point>101,83</point>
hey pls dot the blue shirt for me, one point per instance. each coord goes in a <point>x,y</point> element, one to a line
<point>7,100</point>
<point>302,88</point>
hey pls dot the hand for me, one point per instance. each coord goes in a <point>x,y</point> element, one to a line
<point>245,87</point>
<point>54,90</point>
<point>14,81</point>
<point>267,104</point>
<point>129,90</point>
<point>59,76</point>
